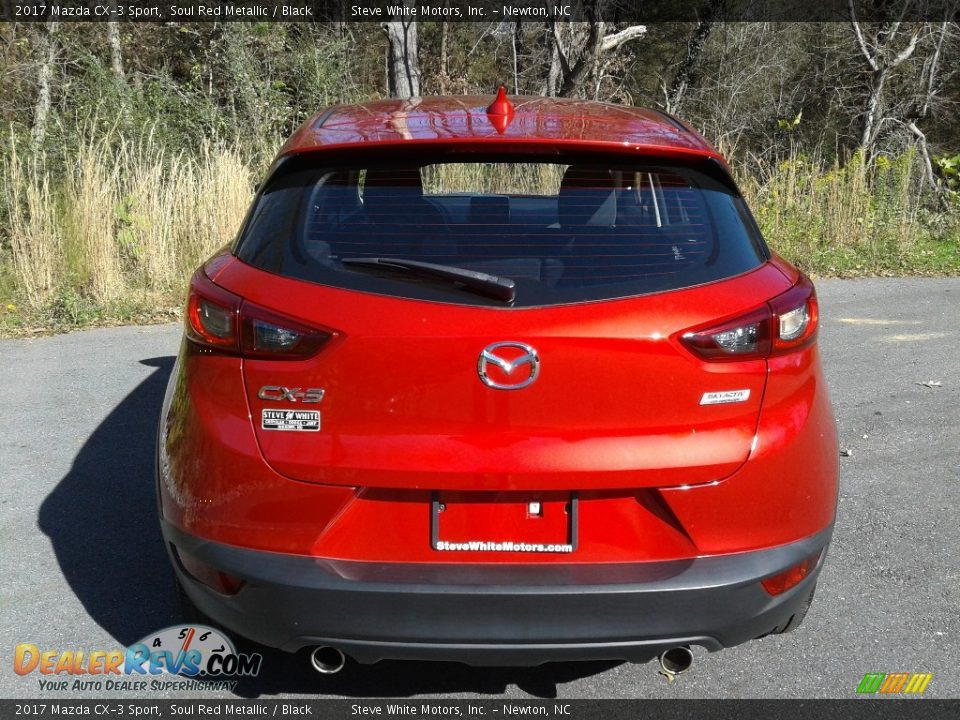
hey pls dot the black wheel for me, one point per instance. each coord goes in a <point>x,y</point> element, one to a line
<point>794,622</point>
<point>188,611</point>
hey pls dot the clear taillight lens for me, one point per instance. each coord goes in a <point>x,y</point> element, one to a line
<point>797,316</point>
<point>786,323</point>
<point>268,335</point>
<point>794,323</point>
<point>219,320</point>
<point>216,321</point>
<point>740,339</point>
<point>274,337</point>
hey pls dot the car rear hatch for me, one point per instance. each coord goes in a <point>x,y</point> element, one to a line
<point>441,278</point>
<point>616,402</point>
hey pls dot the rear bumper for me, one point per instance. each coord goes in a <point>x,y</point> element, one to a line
<point>484,614</point>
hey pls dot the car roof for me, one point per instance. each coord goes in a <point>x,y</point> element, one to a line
<point>538,124</point>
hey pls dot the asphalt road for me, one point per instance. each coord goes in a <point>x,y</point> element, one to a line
<point>83,566</point>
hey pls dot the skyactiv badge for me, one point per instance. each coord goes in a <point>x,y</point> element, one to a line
<point>727,396</point>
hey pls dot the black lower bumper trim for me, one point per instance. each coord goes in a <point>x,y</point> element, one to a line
<point>498,615</point>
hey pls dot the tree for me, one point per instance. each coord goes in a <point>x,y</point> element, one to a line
<point>882,57</point>
<point>687,72</point>
<point>578,54</point>
<point>931,86</point>
<point>403,66</point>
<point>48,56</point>
<point>113,36</point>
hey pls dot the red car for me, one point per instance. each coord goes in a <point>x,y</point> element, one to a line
<point>501,383</point>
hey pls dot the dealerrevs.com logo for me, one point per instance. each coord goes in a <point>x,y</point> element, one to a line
<point>203,655</point>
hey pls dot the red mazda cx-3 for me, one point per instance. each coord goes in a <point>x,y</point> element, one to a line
<point>502,383</point>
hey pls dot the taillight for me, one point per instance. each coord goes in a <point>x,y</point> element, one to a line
<point>212,314</point>
<point>786,323</point>
<point>745,337</point>
<point>219,320</point>
<point>796,317</point>
<point>264,334</point>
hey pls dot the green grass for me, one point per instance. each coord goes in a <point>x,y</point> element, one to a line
<point>72,311</point>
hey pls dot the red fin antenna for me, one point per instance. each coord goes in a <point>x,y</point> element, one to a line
<point>501,106</point>
<point>500,111</point>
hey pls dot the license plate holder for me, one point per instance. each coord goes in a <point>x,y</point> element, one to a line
<point>504,522</point>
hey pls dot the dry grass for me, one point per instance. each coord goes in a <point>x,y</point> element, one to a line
<point>119,231</point>
<point>126,218</point>
<point>92,196</point>
<point>850,219</point>
<point>495,178</point>
<point>213,193</point>
<point>35,243</point>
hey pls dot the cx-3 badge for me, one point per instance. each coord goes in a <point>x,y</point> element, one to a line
<point>278,392</point>
<point>516,365</point>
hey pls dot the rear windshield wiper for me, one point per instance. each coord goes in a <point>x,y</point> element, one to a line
<point>498,288</point>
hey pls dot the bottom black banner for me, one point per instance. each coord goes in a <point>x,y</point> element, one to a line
<point>861,709</point>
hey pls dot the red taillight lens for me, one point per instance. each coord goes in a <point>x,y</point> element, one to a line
<point>781,582</point>
<point>219,320</point>
<point>786,323</point>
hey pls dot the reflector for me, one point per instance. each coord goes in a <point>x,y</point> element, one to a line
<point>780,583</point>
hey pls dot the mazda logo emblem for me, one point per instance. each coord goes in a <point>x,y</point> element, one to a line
<point>517,365</point>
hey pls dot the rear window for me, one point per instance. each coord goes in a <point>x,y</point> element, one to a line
<point>553,232</point>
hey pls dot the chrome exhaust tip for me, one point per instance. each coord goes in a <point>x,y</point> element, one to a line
<point>327,660</point>
<point>675,661</point>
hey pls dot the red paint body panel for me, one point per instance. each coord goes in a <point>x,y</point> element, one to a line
<point>213,480</point>
<point>787,490</point>
<point>404,406</point>
<point>537,123</point>
<point>220,487</point>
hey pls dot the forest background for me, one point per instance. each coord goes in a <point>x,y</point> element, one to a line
<point>131,151</point>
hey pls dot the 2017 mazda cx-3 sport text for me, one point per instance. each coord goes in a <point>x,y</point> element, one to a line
<point>501,383</point>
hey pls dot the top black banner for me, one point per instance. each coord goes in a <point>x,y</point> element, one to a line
<point>485,11</point>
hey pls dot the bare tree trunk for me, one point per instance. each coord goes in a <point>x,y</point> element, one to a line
<point>553,75</point>
<point>569,69</point>
<point>444,30</point>
<point>873,104</point>
<point>516,75</point>
<point>925,154</point>
<point>403,64</point>
<point>687,72</point>
<point>880,57</point>
<point>932,89</point>
<point>41,112</point>
<point>574,74</point>
<point>113,37</point>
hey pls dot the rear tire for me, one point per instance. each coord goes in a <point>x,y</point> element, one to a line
<point>794,622</point>
<point>193,615</point>
<point>188,611</point>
